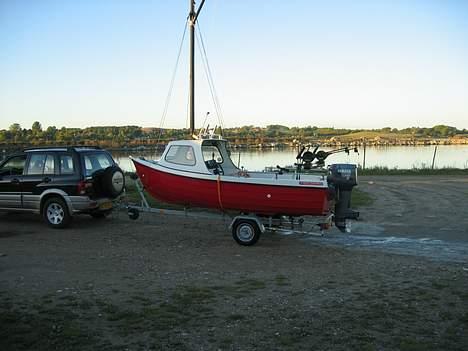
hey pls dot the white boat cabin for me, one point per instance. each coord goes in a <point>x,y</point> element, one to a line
<point>205,156</point>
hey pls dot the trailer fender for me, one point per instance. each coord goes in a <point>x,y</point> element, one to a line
<point>252,218</point>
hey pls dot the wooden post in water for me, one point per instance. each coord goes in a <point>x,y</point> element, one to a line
<point>433,157</point>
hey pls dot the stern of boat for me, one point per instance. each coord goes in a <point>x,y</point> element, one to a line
<point>342,179</point>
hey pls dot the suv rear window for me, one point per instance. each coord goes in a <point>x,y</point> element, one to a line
<point>96,161</point>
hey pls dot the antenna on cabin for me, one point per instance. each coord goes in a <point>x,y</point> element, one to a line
<point>206,117</point>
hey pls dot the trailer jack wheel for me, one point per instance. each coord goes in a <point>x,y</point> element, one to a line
<point>245,232</point>
<point>133,213</point>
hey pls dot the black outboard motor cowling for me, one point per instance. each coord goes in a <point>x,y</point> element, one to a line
<point>343,177</point>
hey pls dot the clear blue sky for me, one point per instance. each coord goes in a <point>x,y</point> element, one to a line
<point>353,64</point>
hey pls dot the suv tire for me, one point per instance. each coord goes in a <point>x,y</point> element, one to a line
<point>111,181</point>
<point>55,213</point>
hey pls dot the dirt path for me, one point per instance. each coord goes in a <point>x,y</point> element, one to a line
<point>175,283</point>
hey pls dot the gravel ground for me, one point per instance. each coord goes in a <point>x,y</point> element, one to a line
<point>176,283</point>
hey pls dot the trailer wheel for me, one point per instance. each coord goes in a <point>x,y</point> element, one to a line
<point>245,232</point>
<point>133,213</point>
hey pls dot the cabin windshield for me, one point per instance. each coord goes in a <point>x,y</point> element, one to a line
<point>216,152</point>
<point>211,152</point>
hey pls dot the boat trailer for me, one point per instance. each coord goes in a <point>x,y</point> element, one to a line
<point>246,228</point>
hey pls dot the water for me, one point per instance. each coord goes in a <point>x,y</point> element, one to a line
<point>402,157</point>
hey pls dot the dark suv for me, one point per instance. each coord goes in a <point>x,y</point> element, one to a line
<point>59,182</point>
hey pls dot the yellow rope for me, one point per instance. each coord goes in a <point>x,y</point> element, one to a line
<point>218,182</point>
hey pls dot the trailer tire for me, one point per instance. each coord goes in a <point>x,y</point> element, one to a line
<point>245,232</point>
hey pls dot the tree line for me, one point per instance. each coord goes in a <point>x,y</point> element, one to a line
<point>133,136</point>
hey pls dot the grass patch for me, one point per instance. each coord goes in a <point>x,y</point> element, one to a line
<point>360,198</point>
<point>227,341</point>
<point>414,345</point>
<point>282,280</point>
<point>249,285</point>
<point>240,288</point>
<point>235,317</point>
<point>185,306</point>
<point>438,285</point>
<point>23,330</point>
<point>413,171</point>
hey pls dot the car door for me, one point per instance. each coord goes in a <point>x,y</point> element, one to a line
<point>38,177</point>
<point>11,173</point>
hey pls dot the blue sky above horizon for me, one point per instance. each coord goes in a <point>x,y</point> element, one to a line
<point>347,64</point>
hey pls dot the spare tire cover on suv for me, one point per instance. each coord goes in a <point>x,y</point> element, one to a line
<point>111,181</point>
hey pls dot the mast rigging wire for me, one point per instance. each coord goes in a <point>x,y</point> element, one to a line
<point>171,86</point>
<point>209,76</point>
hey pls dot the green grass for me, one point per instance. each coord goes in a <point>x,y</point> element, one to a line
<point>375,318</point>
<point>413,171</point>
<point>282,280</point>
<point>360,198</point>
<point>235,317</point>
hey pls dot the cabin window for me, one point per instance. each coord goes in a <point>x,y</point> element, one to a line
<point>211,152</point>
<point>182,155</point>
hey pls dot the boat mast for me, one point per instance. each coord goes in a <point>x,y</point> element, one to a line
<point>193,15</point>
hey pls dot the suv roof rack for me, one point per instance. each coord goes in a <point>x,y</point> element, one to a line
<point>61,148</point>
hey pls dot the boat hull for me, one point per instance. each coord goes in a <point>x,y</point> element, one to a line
<point>218,193</point>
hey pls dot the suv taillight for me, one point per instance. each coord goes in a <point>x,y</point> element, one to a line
<point>83,187</point>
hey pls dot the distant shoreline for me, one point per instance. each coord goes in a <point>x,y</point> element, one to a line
<point>11,147</point>
<point>246,137</point>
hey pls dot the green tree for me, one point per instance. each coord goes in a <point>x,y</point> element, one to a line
<point>36,127</point>
<point>15,128</point>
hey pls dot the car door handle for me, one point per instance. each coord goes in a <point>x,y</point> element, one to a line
<point>46,180</point>
<point>15,181</point>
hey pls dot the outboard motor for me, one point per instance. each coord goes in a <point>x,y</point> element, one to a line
<point>343,177</point>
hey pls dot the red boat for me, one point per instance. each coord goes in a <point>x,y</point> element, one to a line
<point>200,173</point>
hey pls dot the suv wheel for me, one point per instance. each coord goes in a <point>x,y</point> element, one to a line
<point>55,213</point>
